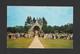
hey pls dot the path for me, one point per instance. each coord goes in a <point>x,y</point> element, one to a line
<point>36,43</point>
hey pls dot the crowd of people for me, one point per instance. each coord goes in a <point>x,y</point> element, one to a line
<point>58,36</point>
<point>42,35</point>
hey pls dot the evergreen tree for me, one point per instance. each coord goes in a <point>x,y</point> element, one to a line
<point>29,19</point>
<point>44,21</point>
<point>44,28</point>
<point>27,22</point>
<point>34,20</point>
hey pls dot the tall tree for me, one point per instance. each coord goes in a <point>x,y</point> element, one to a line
<point>27,22</point>
<point>34,20</point>
<point>44,24</point>
<point>44,21</point>
<point>29,19</point>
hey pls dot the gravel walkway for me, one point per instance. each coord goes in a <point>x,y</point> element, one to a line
<point>36,43</point>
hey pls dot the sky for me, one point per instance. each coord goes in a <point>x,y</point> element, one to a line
<point>54,15</point>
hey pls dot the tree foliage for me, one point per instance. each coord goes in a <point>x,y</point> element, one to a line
<point>44,21</point>
<point>67,28</point>
<point>34,20</point>
<point>11,29</point>
<point>29,19</point>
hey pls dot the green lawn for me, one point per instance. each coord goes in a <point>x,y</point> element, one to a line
<point>59,43</point>
<point>19,43</point>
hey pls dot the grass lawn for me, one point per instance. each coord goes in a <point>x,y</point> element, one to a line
<point>58,43</point>
<point>19,43</point>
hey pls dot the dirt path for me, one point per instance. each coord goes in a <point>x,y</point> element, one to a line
<point>36,43</point>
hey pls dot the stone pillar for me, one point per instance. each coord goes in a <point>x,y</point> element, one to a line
<point>45,36</point>
<point>54,36</point>
<point>68,37</point>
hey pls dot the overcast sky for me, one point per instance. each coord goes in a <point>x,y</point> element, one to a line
<point>55,15</point>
